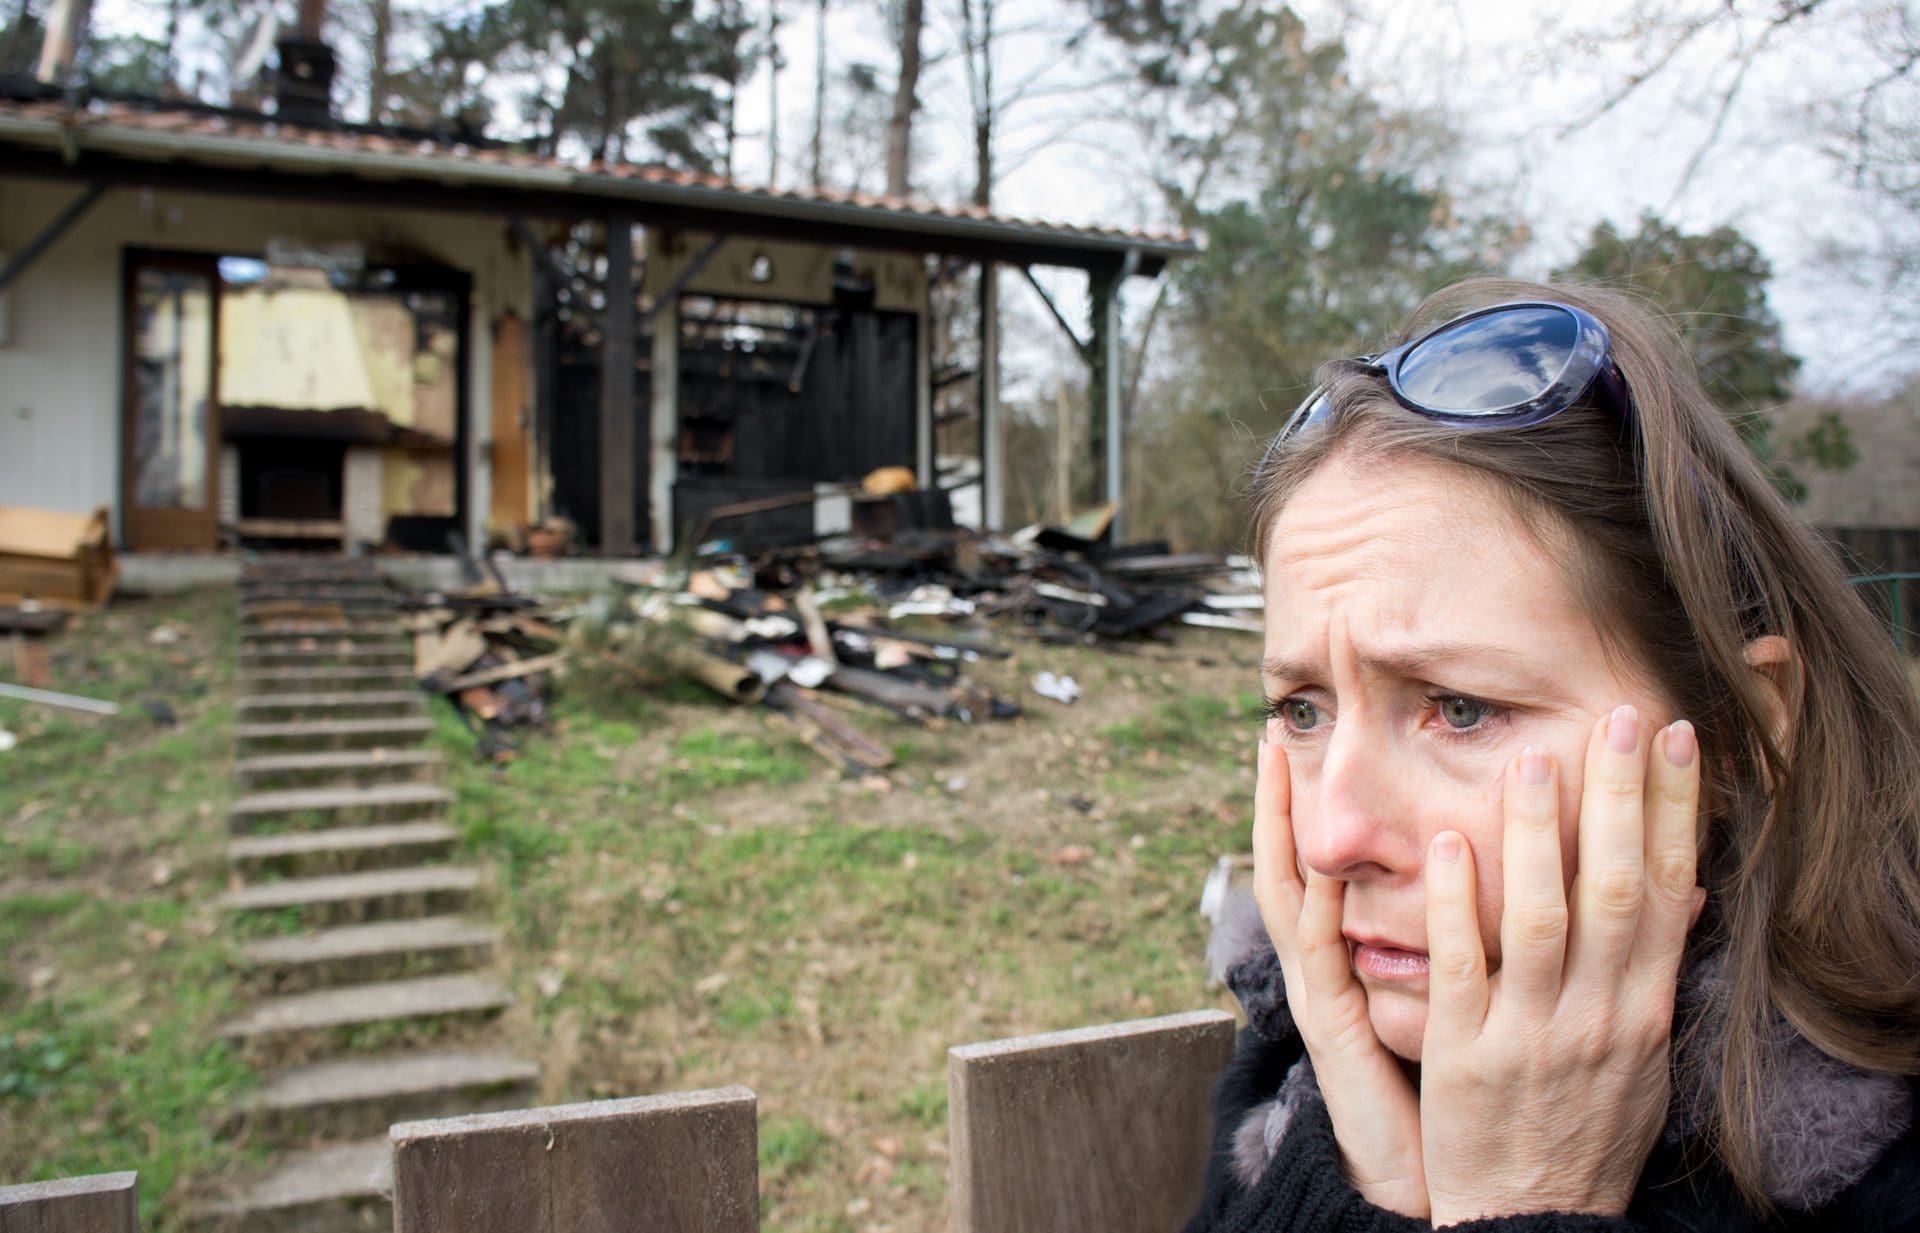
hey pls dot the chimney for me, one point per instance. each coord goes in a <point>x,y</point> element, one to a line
<point>303,85</point>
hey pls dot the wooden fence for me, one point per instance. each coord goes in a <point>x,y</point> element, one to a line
<point>1879,551</point>
<point>1100,1129</point>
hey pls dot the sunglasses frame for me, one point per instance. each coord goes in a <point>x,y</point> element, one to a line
<point>1590,361</point>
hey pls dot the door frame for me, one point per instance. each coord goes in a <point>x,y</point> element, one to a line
<point>146,529</point>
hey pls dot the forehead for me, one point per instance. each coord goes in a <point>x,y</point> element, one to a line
<point>1401,554</point>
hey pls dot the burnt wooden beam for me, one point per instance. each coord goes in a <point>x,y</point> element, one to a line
<point>18,263</point>
<point>1080,344</point>
<point>676,288</point>
<point>616,392</point>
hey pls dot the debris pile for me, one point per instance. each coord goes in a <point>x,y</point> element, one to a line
<point>882,623</point>
<point>1059,583</point>
<point>491,653</point>
<point>754,645</point>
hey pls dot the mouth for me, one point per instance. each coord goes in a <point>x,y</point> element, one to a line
<point>1384,960</point>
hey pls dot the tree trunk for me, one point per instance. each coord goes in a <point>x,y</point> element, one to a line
<point>773,92</point>
<point>379,85</point>
<point>819,93</point>
<point>66,31</point>
<point>313,15</point>
<point>169,60</point>
<point>905,100</point>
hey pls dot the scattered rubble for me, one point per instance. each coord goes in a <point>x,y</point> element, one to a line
<point>881,623</point>
<point>491,654</point>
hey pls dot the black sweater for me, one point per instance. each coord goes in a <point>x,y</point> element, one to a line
<point>1304,1188</point>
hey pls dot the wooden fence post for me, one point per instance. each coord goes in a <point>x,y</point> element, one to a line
<point>102,1203</point>
<point>1095,1130</point>
<point>688,1162</point>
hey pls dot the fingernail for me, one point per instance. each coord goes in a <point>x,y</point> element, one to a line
<point>1446,847</point>
<point>1681,744</point>
<point>1534,766</point>
<point>1623,729</point>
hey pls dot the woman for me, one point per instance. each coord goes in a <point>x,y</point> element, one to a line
<point>1587,834</point>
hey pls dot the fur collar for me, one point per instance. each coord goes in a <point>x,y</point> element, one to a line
<point>1827,1121</point>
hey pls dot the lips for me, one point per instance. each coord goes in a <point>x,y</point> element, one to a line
<point>1385,961</point>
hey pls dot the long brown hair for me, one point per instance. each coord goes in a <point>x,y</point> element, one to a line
<point>1683,552</point>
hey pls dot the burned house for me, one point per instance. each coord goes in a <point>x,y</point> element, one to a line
<point>229,327</point>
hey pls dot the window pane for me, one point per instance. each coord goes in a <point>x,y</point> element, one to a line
<point>173,383</point>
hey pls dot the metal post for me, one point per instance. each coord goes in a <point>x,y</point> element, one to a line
<point>663,466</point>
<point>616,392</point>
<point>1110,372</point>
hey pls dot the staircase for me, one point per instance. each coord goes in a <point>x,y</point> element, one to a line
<point>373,995</point>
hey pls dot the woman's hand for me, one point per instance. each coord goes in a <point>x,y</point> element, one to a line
<point>1544,1086</point>
<point>1376,1116</point>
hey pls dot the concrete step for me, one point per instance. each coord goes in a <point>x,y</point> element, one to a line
<point>365,703</point>
<point>339,676</point>
<point>340,767</point>
<point>320,591</point>
<point>357,954</point>
<point>362,1096</point>
<point>318,734</point>
<point>462,994</point>
<point>387,801</point>
<point>376,894</point>
<point>344,849</point>
<point>340,1188</point>
<point>298,633</point>
<point>314,654</point>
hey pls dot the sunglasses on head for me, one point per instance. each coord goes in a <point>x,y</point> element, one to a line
<point>1508,366</point>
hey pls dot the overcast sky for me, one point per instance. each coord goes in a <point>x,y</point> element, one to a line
<point>1514,75</point>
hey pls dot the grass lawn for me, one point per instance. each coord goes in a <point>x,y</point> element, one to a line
<point>114,970</point>
<point>690,898</point>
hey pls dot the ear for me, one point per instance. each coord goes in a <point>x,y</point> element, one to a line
<point>1777,668</point>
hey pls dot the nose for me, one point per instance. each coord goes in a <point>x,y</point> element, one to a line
<point>1350,826</point>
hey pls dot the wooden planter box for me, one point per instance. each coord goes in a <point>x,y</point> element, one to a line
<point>60,560</point>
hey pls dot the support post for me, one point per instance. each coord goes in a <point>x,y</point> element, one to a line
<point>663,464</point>
<point>1104,362</point>
<point>993,436</point>
<point>616,392</point>
<point>923,394</point>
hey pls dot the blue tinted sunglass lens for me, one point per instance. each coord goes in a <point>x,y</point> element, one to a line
<point>1492,364</point>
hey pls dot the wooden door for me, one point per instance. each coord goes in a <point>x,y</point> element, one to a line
<point>170,421</point>
<point>512,414</point>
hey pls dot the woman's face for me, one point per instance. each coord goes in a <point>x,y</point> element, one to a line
<point>1416,640</point>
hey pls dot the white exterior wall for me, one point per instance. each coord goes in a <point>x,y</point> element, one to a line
<point>60,361</point>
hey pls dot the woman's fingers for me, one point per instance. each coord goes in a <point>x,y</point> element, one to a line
<point>1533,920</point>
<point>1456,960</point>
<point>1672,813</point>
<point>1611,885</point>
<point>1276,878</point>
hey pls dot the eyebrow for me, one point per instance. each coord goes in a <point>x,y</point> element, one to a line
<point>1421,660</point>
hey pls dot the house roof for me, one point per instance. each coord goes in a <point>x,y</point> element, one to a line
<point>257,155</point>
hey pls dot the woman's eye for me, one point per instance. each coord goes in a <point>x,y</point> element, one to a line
<point>1299,713</point>
<point>1463,713</point>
